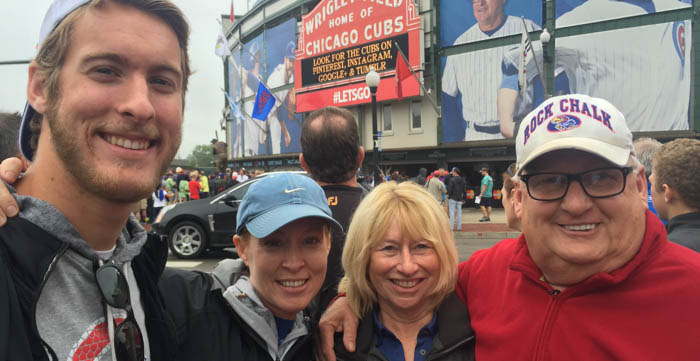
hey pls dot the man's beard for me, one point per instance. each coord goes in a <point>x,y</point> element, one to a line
<point>89,178</point>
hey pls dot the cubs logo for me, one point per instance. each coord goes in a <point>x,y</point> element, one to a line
<point>679,39</point>
<point>563,122</point>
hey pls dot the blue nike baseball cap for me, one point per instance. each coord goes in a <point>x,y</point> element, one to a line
<point>279,199</point>
<point>58,10</point>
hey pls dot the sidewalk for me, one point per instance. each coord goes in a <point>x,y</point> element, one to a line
<point>471,216</point>
<point>477,235</point>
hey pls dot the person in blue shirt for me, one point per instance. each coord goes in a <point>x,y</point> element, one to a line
<point>400,264</point>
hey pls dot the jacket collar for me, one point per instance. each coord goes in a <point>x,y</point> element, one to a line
<point>682,220</point>
<point>452,317</point>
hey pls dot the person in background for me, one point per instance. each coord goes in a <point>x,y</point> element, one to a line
<point>456,190</point>
<point>204,183</point>
<point>160,200</point>
<point>645,148</point>
<point>507,196</point>
<point>421,178</point>
<point>486,195</point>
<point>332,154</point>
<point>242,175</point>
<point>675,190</point>
<point>194,185</point>
<point>170,188</point>
<point>179,176</point>
<point>183,187</point>
<point>436,188</point>
<point>400,264</point>
<point>141,211</point>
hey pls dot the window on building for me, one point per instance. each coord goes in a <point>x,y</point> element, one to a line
<point>416,122</point>
<point>386,119</point>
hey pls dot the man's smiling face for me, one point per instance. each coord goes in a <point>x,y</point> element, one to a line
<point>116,124</point>
<point>580,232</point>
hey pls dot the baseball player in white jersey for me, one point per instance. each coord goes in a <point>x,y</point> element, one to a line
<point>253,129</point>
<point>645,70</point>
<point>477,75</point>
<point>282,74</point>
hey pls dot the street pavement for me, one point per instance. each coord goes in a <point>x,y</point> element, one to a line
<point>474,236</point>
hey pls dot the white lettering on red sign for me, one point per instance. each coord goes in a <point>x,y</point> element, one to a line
<point>351,95</point>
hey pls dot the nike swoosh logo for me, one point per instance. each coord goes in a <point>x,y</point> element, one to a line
<point>293,190</point>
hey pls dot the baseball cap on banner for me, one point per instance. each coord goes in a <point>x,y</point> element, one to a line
<point>574,121</point>
<point>58,10</point>
<point>291,50</point>
<point>279,199</point>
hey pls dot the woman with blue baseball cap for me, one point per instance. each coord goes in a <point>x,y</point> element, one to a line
<point>258,308</point>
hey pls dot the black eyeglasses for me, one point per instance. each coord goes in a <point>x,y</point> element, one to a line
<point>128,340</point>
<point>596,183</point>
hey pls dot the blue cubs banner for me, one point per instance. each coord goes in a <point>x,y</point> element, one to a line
<point>264,101</point>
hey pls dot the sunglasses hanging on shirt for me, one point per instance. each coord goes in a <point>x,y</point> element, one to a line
<point>128,340</point>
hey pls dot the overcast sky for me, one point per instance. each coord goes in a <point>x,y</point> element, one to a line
<point>19,30</point>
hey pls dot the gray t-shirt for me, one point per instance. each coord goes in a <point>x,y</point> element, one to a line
<point>70,313</point>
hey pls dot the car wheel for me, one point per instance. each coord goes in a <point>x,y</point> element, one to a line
<point>187,240</point>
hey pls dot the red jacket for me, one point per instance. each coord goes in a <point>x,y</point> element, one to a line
<point>194,189</point>
<point>647,310</point>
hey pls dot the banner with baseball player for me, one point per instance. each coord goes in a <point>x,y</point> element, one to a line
<point>252,70</point>
<point>471,80</point>
<point>234,74</point>
<point>588,11</point>
<point>283,124</point>
<point>482,97</point>
<point>234,96</point>
<point>645,70</point>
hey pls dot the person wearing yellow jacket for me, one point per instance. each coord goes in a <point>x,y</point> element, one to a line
<point>204,182</point>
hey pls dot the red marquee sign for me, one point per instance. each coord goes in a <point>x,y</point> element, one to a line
<point>341,39</point>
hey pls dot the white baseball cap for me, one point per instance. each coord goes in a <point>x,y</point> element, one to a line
<point>574,121</point>
<point>58,10</point>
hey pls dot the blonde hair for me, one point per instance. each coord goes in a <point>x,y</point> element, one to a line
<point>419,217</point>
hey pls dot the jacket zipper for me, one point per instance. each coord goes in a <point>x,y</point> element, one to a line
<point>52,265</point>
<point>552,309</point>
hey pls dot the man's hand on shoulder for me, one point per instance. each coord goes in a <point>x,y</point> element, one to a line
<point>10,169</point>
<point>338,317</point>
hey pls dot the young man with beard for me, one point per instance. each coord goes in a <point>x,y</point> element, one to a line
<point>103,120</point>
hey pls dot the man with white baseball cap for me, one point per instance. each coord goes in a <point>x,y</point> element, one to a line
<point>592,276</point>
<point>103,121</point>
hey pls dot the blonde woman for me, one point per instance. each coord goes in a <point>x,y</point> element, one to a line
<point>400,265</point>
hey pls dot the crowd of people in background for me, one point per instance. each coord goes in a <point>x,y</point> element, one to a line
<point>180,185</point>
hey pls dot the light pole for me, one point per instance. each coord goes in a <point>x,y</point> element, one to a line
<point>372,81</point>
<point>545,37</point>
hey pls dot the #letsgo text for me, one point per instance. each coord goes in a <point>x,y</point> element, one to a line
<point>351,95</point>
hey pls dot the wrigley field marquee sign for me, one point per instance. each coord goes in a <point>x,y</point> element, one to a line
<point>341,39</point>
